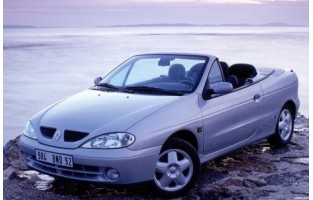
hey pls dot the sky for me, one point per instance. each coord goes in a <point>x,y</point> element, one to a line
<point>89,13</point>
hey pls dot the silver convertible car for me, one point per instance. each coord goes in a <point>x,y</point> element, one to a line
<point>157,117</point>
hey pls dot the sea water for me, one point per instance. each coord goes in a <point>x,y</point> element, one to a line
<point>44,65</point>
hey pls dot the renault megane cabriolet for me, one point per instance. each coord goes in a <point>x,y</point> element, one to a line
<point>157,117</point>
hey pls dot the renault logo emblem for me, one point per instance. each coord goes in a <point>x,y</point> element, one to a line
<point>57,135</point>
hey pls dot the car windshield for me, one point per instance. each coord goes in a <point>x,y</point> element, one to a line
<point>166,74</point>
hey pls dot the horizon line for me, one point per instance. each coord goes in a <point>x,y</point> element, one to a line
<point>271,24</point>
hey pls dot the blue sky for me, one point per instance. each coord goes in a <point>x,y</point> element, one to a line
<point>86,13</point>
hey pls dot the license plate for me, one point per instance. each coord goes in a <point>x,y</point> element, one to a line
<point>54,158</point>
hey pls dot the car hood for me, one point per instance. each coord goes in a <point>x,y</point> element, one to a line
<point>96,112</point>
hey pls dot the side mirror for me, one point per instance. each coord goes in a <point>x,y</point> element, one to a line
<point>217,88</point>
<point>97,80</point>
<point>222,88</point>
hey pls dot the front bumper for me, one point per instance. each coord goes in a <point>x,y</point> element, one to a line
<point>92,164</point>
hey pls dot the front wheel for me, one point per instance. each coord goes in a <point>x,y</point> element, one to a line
<point>284,128</point>
<point>177,169</point>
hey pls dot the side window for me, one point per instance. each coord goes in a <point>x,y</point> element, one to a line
<point>215,75</point>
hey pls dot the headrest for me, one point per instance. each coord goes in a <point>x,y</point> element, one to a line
<point>177,71</point>
<point>242,70</point>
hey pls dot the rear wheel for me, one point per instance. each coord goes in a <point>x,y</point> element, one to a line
<point>177,169</point>
<point>284,128</point>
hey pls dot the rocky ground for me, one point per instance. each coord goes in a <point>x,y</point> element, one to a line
<point>255,172</point>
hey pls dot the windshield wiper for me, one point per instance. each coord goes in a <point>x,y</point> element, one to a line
<point>110,86</point>
<point>153,90</point>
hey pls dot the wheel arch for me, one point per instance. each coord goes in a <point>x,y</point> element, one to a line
<point>282,136</point>
<point>292,106</point>
<point>187,136</point>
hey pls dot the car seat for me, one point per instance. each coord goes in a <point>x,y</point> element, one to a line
<point>229,78</point>
<point>243,72</point>
<point>177,72</point>
<point>194,71</point>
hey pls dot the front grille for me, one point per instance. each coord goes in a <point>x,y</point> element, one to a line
<point>73,136</point>
<point>69,135</point>
<point>79,172</point>
<point>47,132</point>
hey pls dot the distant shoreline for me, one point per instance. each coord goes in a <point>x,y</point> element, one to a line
<point>166,25</point>
<point>209,25</point>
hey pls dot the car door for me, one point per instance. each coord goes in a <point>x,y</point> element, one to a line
<point>229,118</point>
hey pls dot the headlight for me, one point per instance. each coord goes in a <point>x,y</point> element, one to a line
<point>29,131</point>
<point>110,141</point>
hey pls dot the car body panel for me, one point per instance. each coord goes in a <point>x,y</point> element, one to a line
<point>231,118</point>
<point>166,121</point>
<point>282,86</point>
<point>126,161</point>
<point>95,112</point>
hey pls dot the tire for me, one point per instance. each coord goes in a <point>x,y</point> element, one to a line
<point>177,169</point>
<point>284,128</point>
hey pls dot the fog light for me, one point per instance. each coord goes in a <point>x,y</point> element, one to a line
<point>113,174</point>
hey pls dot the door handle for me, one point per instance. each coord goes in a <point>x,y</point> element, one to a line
<point>257,97</point>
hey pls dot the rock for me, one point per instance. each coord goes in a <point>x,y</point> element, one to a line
<point>17,175</point>
<point>300,160</point>
<point>287,178</point>
<point>215,193</point>
<point>192,197</point>
<point>210,174</point>
<point>239,160</point>
<point>12,173</point>
<point>253,183</point>
<point>232,182</point>
<point>12,155</point>
<point>7,172</point>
